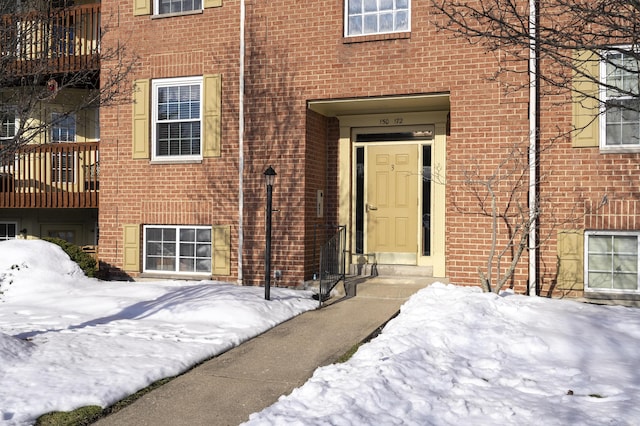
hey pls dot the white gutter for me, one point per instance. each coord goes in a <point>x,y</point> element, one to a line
<point>241,145</point>
<point>533,148</point>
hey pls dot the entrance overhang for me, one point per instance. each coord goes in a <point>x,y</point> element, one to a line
<point>381,104</point>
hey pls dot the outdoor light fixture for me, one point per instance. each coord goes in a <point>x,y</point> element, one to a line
<point>270,177</point>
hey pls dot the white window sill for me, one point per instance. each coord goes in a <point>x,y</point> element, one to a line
<point>620,150</point>
<point>176,161</point>
<point>172,15</point>
<point>175,276</point>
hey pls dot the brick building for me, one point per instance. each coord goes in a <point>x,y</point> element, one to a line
<point>372,119</point>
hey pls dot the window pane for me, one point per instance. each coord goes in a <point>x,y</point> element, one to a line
<point>370,24</point>
<point>614,135</point>
<point>154,263</point>
<point>599,280</point>
<point>203,265</point>
<point>355,6</point>
<point>187,249</point>
<point>204,250</point>
<point>600,244</point>
<point>355,25</point>
<point>386,22</point>
<point>188,234</point>
<point>204,235</point>
<point>625,281</point>
<point>370,5</point>
<point>168,264</point>
<point>169,249</point>
<point>625,263</point>
<point>169,234</point>
<point>600,262</point>
<point>187,265</point>
<point>386,4</point>
<point>154,234</point>
<point>402,21</point>
<point>624,244</point>
<point>154,248</point>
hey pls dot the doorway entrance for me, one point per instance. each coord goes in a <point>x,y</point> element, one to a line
<point>393,194</point>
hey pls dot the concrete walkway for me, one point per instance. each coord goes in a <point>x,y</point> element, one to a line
<point>227,389</point>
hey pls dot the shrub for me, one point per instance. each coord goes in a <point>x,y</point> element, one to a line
<point>85,261</point>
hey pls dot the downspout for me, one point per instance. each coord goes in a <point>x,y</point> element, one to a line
<point>533,147</point>
<point>241,145</point>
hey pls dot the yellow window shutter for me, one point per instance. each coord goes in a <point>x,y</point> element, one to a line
<point>585,103</point>
<point>221,259</point>
<point>211,119</point>
<point>570,260</point>
<point>141,7</point>
<point>212,3</point>
<point>131,249</point>
<point>141,118</point>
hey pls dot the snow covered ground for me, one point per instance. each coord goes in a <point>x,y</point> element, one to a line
<point>453,356</point>
<point>67,341</point>
<point>456,356</point>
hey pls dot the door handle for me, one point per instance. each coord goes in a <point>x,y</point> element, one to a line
<point>370,207</point>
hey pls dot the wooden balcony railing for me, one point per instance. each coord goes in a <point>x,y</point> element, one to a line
<point>58,175</point>
<point>61,40</point>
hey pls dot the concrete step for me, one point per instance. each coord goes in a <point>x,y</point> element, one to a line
<point>373,270</point>
<point>389,287</point>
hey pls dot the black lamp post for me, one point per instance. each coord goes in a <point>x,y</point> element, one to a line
<point>270,177</point>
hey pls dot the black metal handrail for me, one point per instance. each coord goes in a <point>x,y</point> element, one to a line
<point>331,262</point>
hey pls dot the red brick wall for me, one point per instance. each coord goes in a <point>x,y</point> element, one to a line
<point>297,53</point>
<point>575,182</point>
<point>136,192</point>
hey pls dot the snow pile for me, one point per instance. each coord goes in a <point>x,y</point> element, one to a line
<point>68,341</point>
<point>458,356</point>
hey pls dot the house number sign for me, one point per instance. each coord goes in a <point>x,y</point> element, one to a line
<point>388,121</point>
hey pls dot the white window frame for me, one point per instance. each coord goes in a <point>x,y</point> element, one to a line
<point>6,224</point>
<point>64,165</point>
<point>174,82</point>
<point>604,146</point>
<point>394,10</point>
<point>178,255</point>
<point>16,123</point>
<point>156,8</point>
<point>587,236</point>
<point>56,119</point>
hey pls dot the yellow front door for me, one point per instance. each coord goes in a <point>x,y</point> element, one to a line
<point>391,204</point>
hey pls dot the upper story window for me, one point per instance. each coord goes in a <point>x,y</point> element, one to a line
<point>364,17</point>
<point>611,261</point>
<point>63,128</point>
<point>8,124</point>
<point>176,6</point>
<point>620,91</point>
<point>177,118</point>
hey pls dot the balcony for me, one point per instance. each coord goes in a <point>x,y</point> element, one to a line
<point>59,175</point>
<point>57,41</point>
